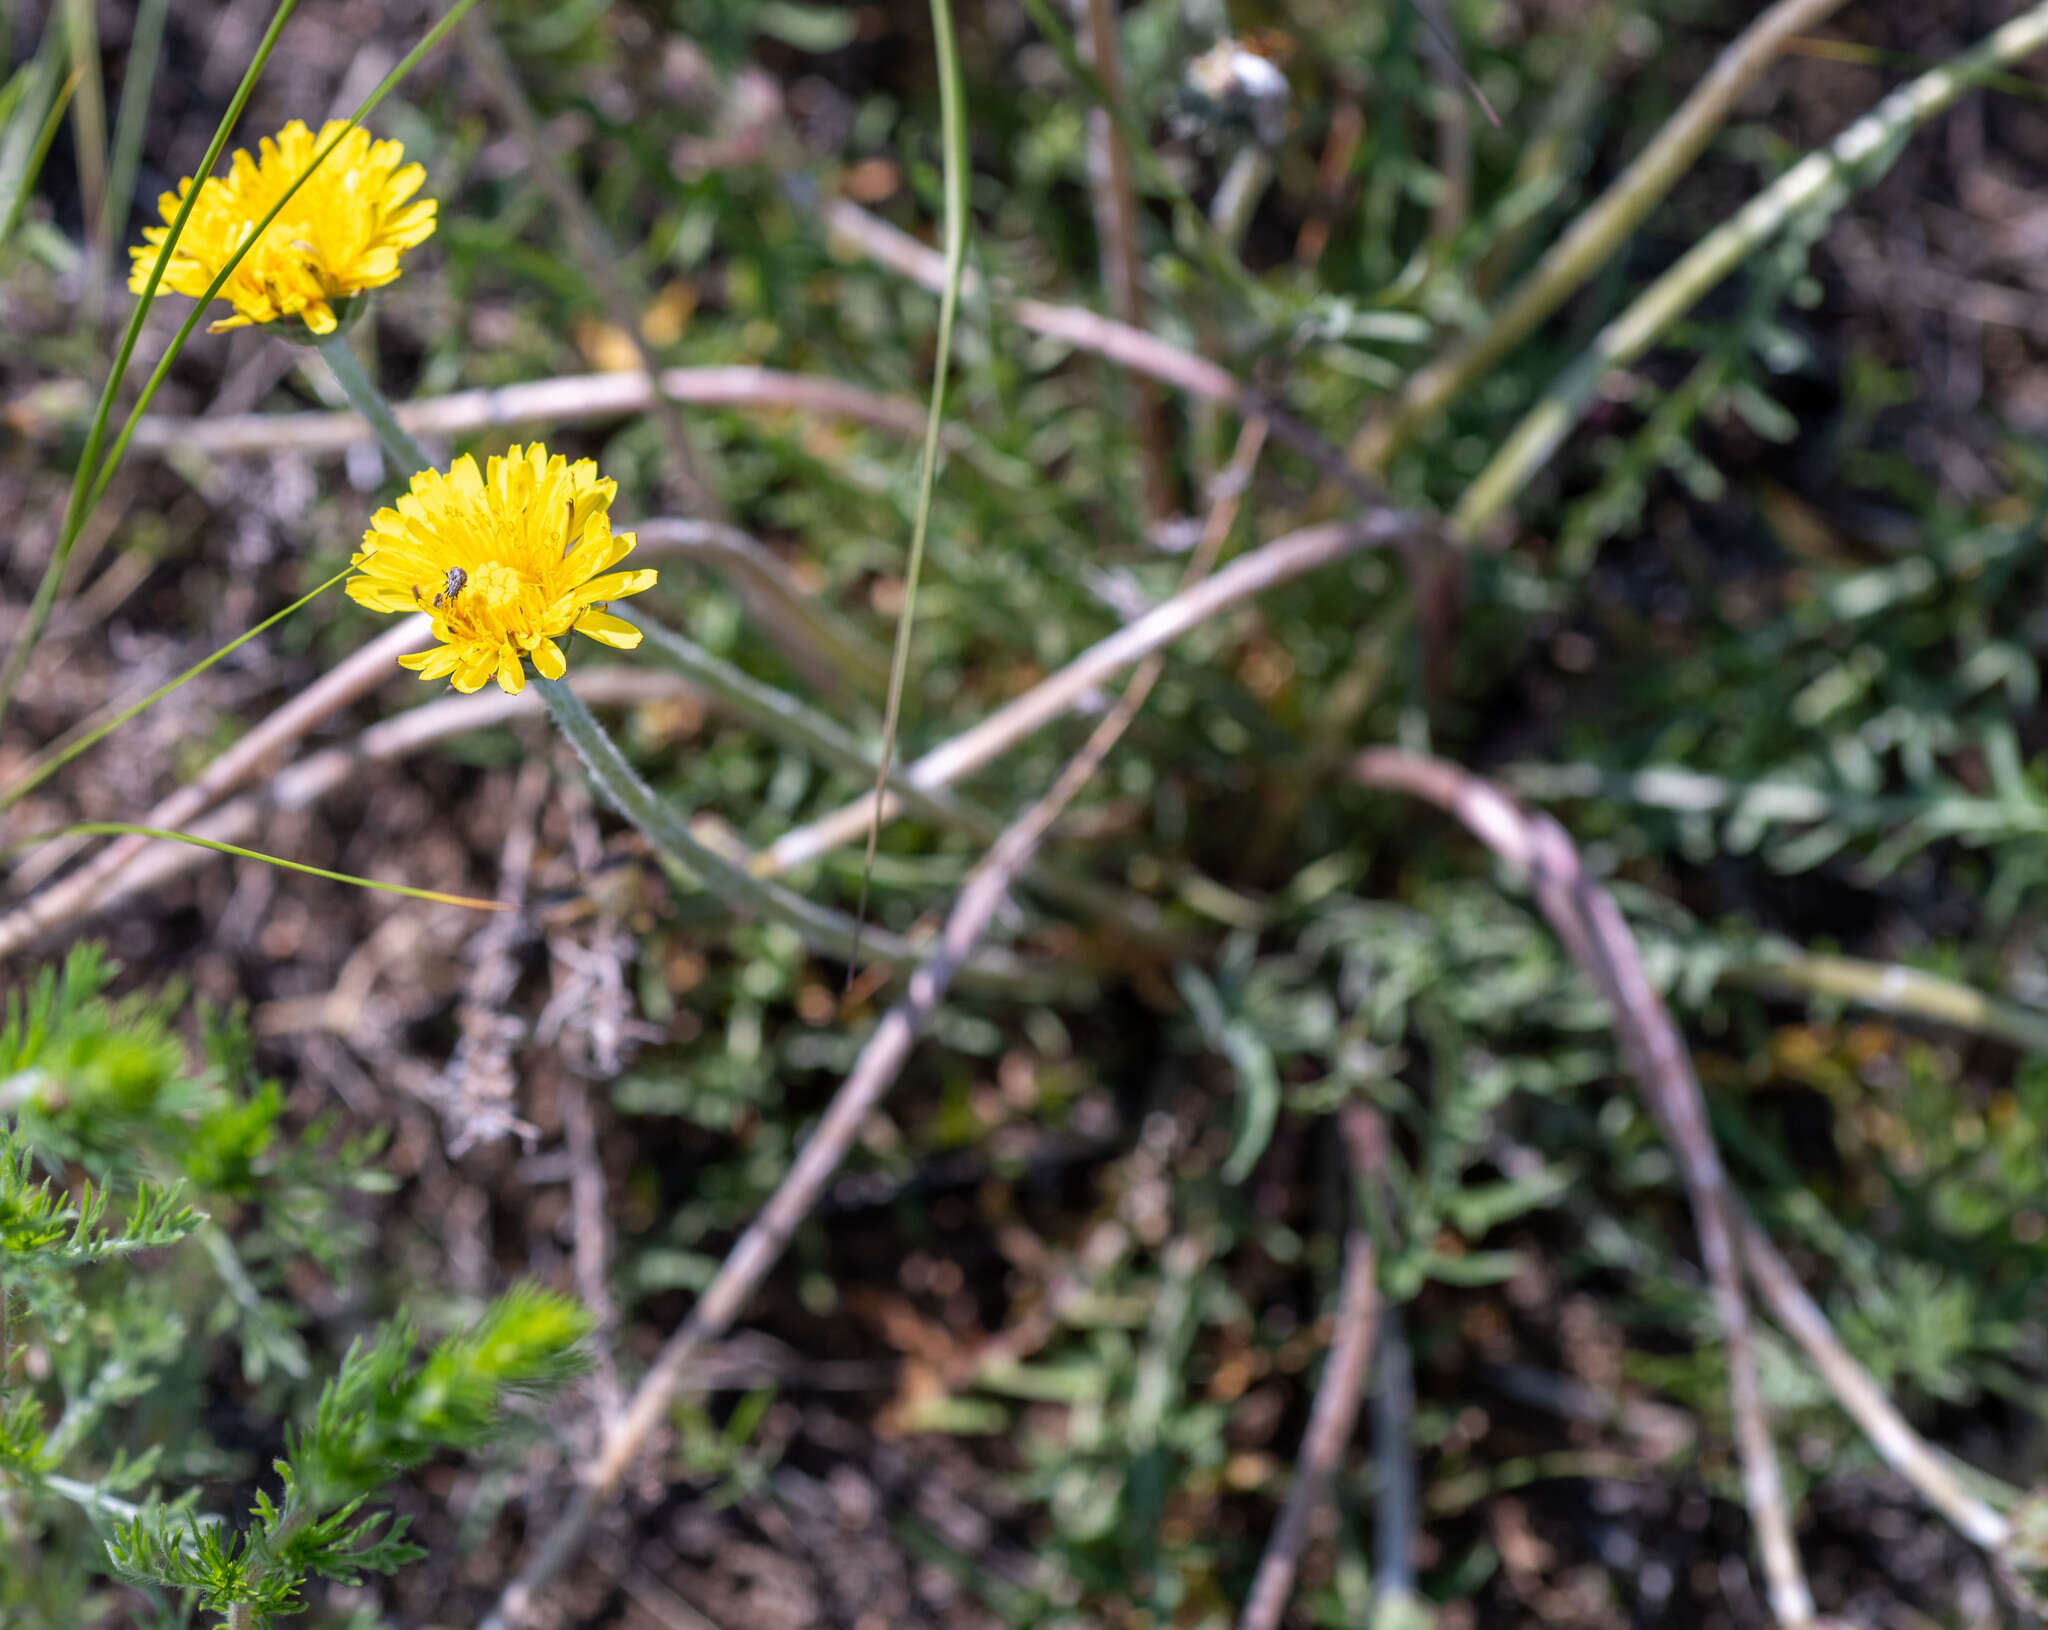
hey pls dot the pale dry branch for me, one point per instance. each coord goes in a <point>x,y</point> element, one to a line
<point>1251,574</point>
<point>1121,343</point>
<point>567,400</point>
<point>274,736</point>
<point>1585,917</point>
<point>1334,1414</point>
<point>1903,1449</point>
<point>153,862</point>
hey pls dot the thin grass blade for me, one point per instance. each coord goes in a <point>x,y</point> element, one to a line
<point>953,136</point>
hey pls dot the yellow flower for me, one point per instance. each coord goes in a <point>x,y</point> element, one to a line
<point>506,563</point>
<point>341,233</point>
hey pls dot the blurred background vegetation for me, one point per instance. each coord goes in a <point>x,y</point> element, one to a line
<point>1765,635</point>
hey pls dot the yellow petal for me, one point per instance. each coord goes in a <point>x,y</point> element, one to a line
<point>548,660</point>
<point>618,585</point>
<point>608,630</point>
<point>434,664</point>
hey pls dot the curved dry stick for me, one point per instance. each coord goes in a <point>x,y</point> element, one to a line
<point>569,399</point>
<point>1250,574</point>
<point>332,691</point>
<point>1121,343</point>
<point>1334,1414</point>
<point>70,897</point>
<point>1585,917</point>
<point>1902,1449</point>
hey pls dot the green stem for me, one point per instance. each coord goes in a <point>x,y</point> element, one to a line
<point>406,456</point>
<point>1594,237</point>
<point>1820,181</point>
<point>953,125</point>
<point>776,713</point>
<point>1892,987</point>
<point>823,929</point>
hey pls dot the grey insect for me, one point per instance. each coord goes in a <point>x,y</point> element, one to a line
<point>456,578</point>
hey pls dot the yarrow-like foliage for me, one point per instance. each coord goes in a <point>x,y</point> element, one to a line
<point>340,234</point>
<point>505,562</point>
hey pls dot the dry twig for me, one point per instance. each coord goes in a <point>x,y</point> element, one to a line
<point>1249,575</point>
<point>155,861</point>
<point>1903,1449</point>
<point>569,399</point>
<point>1116,226</point>
<point>1586,918</point>
<point>1121,343</point>
<point>1335,1411</point>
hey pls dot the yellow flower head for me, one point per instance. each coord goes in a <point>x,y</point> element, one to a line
<point>505,562</point>
<point>341,233</point>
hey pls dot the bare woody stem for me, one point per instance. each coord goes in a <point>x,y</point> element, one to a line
<point>1334,1414</point>
<point>1596,935</point>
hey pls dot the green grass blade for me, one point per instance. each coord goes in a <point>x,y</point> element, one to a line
<point>82,494</point>
<point>118,829</point>
<point>953,134</point>
<point>87,489</point>
<point>89,124</point>
<point>131,119</point>
<point>385,86</point>
<point>21,160</point>
<point>56,761</point>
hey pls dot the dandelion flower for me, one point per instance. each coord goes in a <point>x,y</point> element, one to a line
<point>340,233</point>
<point>505,562</point>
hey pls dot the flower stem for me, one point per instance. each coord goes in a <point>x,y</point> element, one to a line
<point>405,455</point>
<point>821,928</point>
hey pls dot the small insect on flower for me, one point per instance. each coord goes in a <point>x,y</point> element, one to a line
<point>506,561</point>
<point>340,234</point>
